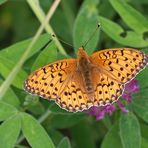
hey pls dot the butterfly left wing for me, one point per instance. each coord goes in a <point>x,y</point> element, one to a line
<point>122,64</point>
<point>61,82</point>
<point>49,81</point>
<point>74,97</point>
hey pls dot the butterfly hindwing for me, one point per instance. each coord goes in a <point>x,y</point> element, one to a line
<point>106,89</point>
<point>74,97</point>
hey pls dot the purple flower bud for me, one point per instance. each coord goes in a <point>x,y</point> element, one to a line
<point>132,86</point>
<point>122,107</point>
<point>109,109</point>
<point>127,97</point>
<point>100,115</point>
<point>99,112</point>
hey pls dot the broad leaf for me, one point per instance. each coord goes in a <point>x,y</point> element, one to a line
<point>140,104</point>
<point>49,54</point>
<point>82,134</point>
<point>9,132</point>
<point>34,132</point>
<point>130,131</point>
<point>64,143</point>
<point>117,33</point>
<point>11,55</point>
<point>6,110</point>
<point>133,18</point>
<point>85,25</point>
<point>112,138</point>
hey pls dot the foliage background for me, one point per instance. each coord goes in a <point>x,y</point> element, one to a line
<point>27,121</point>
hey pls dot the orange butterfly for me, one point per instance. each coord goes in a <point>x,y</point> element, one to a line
<point>96,80</point>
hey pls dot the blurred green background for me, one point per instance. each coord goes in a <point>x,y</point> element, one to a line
<point>124,23</point>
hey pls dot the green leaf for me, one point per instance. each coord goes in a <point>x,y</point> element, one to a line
<point>56,135</point>
<point>6,110</point>
<point>2,1</point>
<point>141,77</point>
<point>130,16</point>
<point>64,121</point>
<point>116,32</point>
<point>6,67</point>
<point>140,104</point>
<point>55,109</point>
<point>49,54</point>
<point>84,26</point>
<point>9,132</point>
<point>82,135</point>
<point>112,138</point>
<point>11,98</point>
<point>144,143</point>
<point>11,55</point>
<point>130,131</point>
<point>64,143</point>
<point>14,52</point>
<point>34,132</point>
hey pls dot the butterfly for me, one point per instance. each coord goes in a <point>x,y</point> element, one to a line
<point>95,80</point>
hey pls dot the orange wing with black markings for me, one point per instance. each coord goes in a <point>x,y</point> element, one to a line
<point>96,80</point>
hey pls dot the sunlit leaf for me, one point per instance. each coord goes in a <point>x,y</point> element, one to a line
<point>130,131</point>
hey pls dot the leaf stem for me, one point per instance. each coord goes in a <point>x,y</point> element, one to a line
<point>41,16</point>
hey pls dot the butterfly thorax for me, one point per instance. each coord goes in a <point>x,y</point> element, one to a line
<point>84,67</point>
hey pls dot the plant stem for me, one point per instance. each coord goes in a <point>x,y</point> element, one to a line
<point>4,87</point>
<point>41,15</point>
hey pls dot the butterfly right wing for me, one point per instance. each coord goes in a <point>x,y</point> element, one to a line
<point>106,89</point>
<point>122,64</point>
<point>113,68</point>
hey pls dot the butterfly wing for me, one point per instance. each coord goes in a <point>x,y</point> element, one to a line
<point>60,81</point>
<point>113,68</point>
<point>74,97</point>
<point>106,89</point>
<point>122,64</point>
<point>49,81</point>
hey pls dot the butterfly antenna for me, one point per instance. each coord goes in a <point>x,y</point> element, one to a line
<point>46,45</point>
<point>62,41</point>
<point>98,26</point>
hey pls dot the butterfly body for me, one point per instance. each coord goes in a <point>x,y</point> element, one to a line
<point>96,80</point>
<point>84,67</point>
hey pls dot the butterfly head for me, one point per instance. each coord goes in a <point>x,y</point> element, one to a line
<point>82,53</point>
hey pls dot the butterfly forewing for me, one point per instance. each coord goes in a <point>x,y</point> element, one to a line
<point>50,80</point>
<point>121,64</point>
